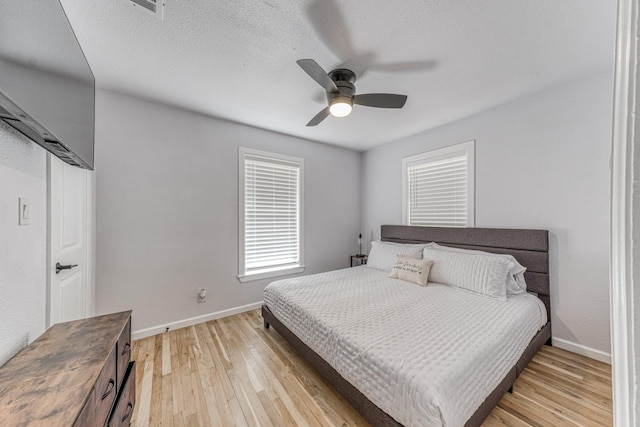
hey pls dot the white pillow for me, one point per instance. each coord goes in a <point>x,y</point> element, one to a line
<point>383,254</point>
<point>515,281</point>
<point>411,270</point>
<point>478,273</point>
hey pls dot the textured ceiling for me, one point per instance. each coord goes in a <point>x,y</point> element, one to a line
<point>235,59</point>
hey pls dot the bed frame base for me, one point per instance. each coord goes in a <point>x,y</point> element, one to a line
<point>359,401</point>
<point>529,247</point>
<point>368,409</point>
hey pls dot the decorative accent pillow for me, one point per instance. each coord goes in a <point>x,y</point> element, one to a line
<point>411,269</point>
<point>515,280</point>
<point>478,273</point>
<point>383,254</point>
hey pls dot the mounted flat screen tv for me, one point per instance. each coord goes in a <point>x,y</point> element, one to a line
<point>47,90</point>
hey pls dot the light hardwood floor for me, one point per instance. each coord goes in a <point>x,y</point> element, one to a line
<point>233,372</point>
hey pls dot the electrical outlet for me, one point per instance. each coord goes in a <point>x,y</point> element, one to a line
<point>202,295</point>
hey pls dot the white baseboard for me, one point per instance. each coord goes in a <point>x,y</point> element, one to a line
<point>154,330</point>
<point>582,350</point>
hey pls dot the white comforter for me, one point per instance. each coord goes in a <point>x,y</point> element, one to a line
<point>427,356</point>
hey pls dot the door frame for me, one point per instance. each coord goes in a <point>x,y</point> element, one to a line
<point>623,326</point>
<point>89,244</point>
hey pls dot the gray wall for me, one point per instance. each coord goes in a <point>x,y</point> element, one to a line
<point>167,209</point>
<point>167,205</point>
<point>541,162</point>
<point>22,248</point>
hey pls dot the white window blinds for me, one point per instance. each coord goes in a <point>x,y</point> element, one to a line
<point>271,214</point>
<point>439,188</point>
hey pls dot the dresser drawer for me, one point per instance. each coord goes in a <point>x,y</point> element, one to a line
<point>124,353</point>
<point>121,415</point>
<point>105,390</point>
<point>86,417</point>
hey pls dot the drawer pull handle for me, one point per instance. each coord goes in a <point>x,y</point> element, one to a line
<point>126,349</point>
<point>110,387</point>
<point>129,411</point>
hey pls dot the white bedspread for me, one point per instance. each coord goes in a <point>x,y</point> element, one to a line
<point>427,356</point>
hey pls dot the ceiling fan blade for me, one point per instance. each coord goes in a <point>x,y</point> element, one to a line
<point>319,117</point>
<point>316,72</point>
<point>327,19</point>
<point>329,22</point>
<point>380,100</point>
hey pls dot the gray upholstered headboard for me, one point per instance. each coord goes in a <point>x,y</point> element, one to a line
<point>529,247</point>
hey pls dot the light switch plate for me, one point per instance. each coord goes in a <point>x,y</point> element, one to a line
<point>23,211</point>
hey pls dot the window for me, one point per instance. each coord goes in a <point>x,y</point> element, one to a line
<point>438,187</point>
<point>270,215</point>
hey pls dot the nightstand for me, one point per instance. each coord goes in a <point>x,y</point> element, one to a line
<point>361,258</point>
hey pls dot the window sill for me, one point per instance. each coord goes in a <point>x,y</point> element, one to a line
<point>269,274</point>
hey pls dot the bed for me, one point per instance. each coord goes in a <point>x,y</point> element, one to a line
<point>363,352</point>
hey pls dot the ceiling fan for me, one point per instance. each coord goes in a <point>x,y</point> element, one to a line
<point>341,92</point>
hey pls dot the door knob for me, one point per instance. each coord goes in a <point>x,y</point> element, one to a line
<point>60,267</point>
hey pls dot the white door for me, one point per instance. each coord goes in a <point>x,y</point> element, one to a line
<point>70,288</point>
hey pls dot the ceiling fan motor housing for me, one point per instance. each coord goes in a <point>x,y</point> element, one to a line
<point>342,75</point>
<point>344,80</point>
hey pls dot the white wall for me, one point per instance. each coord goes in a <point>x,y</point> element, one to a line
<point>167,209</point>
<point>22,248</point>
<point>541,162</point>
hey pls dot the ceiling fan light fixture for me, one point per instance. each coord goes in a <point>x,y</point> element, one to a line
<point>341,107</point>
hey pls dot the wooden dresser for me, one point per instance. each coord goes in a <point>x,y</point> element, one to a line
<point>77,373</point>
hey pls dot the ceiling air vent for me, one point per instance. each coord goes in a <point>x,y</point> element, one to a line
<point>154,6</point>
<point>55,145</point>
